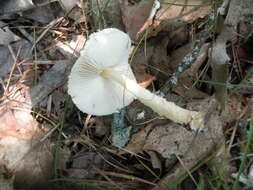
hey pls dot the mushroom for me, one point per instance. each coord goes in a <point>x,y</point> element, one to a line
<point>101,81</point>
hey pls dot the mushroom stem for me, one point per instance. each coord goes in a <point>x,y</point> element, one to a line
<point>160,105</point>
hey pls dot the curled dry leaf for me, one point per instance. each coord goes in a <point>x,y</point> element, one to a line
<point>148,82</point>
<point>156,162</point>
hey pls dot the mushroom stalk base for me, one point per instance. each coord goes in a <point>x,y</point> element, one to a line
<point>160,105</point>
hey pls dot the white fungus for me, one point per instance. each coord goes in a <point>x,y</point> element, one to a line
<point>101,81</point>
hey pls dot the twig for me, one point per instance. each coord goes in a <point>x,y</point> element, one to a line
<point>109,179</point>
<point>125,176</point>
<point>186,169</point>
<point>12,69</point>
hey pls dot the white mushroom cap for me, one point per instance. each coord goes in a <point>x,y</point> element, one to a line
<point>92,93</point>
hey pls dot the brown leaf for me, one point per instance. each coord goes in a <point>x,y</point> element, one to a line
<point>21,148</point>
<point>156,162</point>
<point>137,142</point>
<point>98,124</point>
<point>148,82</point>
<point>238,11</point>
<point>169,139</point>
<point>235,107</point>
<point>170,12</point>
<point>29,76</point>
<point>16,123</point>
<point>250,108</point>
<point>49,81</point>
<point>83,165</point>
<point>143,78</point>
<point>135,16</point>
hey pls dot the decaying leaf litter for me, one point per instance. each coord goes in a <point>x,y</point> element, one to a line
<point>195,53</point>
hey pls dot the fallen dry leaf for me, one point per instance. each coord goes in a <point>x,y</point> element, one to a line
<point>110,16</point>
<point>20,49</point>
<point>148,82</point>
<point>135,15</point>
<point>143,78</point>
<point>156,162</point>
<point>82,166</point>
<point>239,11</point>
<point>169,139</point>
<point>52,79</point>
<point>8,7</point>
<point>68,5</point>
<point>235,107</point>
<point>173,11</point>
<point>72,48</point>
<point>16,123</point>
<point>98,124</point>
<point>29,76</point>
<point>13,6</point>
<point>21,150</point>
<point>6,35</point>
<point>43,14</point>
